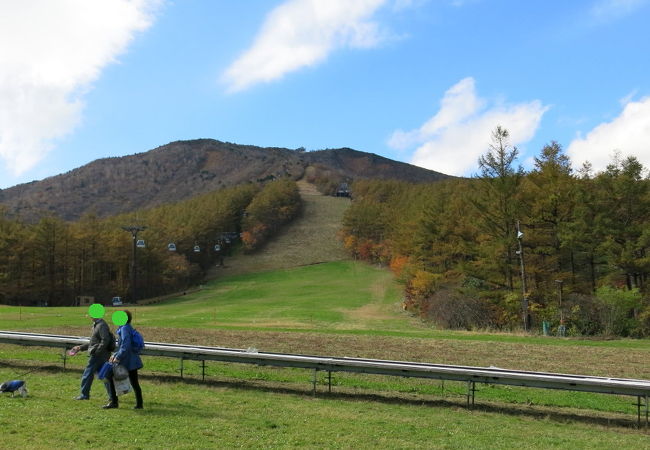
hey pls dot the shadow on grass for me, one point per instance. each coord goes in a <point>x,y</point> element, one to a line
<point>537,412</point>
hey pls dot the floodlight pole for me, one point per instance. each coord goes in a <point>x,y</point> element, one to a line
<point>134,229</point>
<point>524,299</point>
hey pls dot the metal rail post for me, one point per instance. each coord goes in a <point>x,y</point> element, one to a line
<point>203,368</point>
<point>638,410</point>
<point>182,367</point>
<point>471,389</point>
<point>314,381</point>
<point>329,381</point>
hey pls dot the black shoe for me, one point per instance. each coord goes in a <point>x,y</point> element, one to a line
<point>110,405</point>
<point>138,407</point>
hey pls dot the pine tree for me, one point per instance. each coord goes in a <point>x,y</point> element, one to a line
<point>497,201</point>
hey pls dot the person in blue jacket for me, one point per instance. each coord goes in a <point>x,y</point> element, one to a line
<point>130,359</point>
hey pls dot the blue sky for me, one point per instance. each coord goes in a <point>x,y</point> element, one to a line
<point>420,81</point>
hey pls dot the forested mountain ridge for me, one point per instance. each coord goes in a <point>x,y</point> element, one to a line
<point>184,169</point>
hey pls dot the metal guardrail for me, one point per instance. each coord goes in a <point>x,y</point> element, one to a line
<point>467,374</point>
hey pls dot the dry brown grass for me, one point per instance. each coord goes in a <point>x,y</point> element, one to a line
<point>370,311</point>
<point>577,359</point>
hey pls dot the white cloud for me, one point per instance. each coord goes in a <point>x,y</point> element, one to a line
<point>628,98</point>
<point>628,133</point>
<point>51,52</point>
<point>454,138</point>
<point>608,10</point>
<point>302,33</point>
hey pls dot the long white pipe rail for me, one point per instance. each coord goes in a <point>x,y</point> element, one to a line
<point>470,375</point>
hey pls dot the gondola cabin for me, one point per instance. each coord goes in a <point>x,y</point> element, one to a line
<point>343,190</point>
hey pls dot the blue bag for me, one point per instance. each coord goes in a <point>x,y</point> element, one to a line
<point>105,371</point>
<point>137,341</point>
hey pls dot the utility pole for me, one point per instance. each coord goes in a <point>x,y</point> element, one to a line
<point>524,300</point>
<point>561,329</point>
<point>134,230</point>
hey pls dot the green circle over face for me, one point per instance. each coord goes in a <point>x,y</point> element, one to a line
<point>96,311</point>
<point>119,318</point>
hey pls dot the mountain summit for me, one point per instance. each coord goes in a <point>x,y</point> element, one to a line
<point>183,169</point>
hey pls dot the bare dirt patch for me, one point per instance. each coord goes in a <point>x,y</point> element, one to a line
<point>307,188</point>
<point>370,311</point>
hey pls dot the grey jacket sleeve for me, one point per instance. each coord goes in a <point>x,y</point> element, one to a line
<point>100,339</point>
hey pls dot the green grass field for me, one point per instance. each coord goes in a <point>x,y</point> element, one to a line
<point>339,295</point>
<point>223,415</point>
<point>339,309</point>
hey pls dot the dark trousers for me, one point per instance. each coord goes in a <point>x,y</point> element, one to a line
<point>94,364</point>
<point>133,378</point>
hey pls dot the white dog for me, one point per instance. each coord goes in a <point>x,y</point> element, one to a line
<point>14,386</point>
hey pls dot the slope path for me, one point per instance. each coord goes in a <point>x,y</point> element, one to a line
<point>309,239</point>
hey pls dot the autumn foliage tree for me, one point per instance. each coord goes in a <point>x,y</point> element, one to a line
<point>453,243</point>
<point>52,262</point>
<point>275,205</point>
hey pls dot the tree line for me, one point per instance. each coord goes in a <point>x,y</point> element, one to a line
<point>54,261</point>
<point>509,249</point>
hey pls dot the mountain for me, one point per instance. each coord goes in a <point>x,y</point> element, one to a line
<point>183,169</point>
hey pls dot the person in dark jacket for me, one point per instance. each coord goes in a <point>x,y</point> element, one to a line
<point>99,350</point>
<point>130,359</point>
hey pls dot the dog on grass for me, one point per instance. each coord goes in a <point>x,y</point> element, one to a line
<point>14,386</point>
